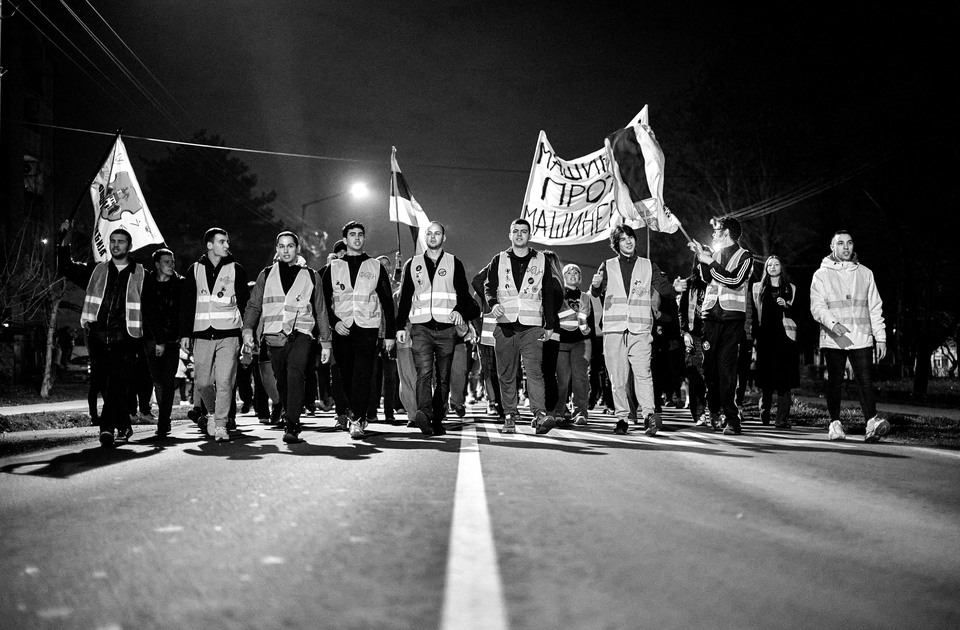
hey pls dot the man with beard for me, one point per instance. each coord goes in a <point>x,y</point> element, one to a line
<point>434,294</point>
<point>112,315</point>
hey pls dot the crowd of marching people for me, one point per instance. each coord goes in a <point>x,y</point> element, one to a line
<point>427,340</point>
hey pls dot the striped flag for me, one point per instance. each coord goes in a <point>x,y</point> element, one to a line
<point>404,208</point>
<point>637,163</point>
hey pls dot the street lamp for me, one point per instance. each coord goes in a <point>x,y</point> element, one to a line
<point>358,190</point>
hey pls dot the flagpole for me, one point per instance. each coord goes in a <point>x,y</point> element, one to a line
<point>86,190</point>
<point>393,193</point>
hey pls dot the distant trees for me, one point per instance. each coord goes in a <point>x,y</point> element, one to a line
<point>193,189</point>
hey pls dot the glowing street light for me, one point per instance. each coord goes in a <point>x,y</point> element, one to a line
<point>357,190</point>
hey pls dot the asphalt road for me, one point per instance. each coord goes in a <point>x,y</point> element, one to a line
<point>577,529</point>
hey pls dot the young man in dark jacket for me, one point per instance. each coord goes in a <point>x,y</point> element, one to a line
<point>162,291</point>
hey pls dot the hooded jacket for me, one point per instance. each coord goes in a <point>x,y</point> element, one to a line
<point>845,292</point>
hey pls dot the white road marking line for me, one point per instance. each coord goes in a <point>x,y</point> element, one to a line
<point>473,592</point>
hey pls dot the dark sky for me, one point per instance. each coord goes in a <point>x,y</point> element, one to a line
<point>462,89</point>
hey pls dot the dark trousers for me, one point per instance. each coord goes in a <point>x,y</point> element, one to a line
<point>861,360</point>
<point>289,367</point>
<point>163,371</point>
<point>261,401</point>
<point>376,382</point>
<point>548,365</point>
<point>721,348</point>
<point>356,356</point>
<point>119,363</point>
<point>310,380</point>
<point>391,385</point>
<point>141,383</point>
<point>245,382</point>
<point>491,384</point>
<point>744,371</point>
<point>432,353</point>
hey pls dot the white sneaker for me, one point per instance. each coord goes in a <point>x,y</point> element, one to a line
<point>220,434</point>
<point>836,432</point>
<point>356,429</point>
<point>877,427</point>
<point>212,427</point>
<point>579,420</point>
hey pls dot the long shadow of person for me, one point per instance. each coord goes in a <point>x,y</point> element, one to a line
<point>70,464</point>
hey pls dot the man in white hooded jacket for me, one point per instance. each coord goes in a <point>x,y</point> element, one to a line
<point>845,301</point>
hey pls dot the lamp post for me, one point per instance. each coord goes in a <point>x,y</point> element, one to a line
<point>357,191</point>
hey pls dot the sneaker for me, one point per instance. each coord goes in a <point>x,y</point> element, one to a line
<point>423,423</point>
<point>546,425</point>
<point>162,431</point>
<point>264,419</point>
<point>123,436</point>
<point>147,416</point>
<point>106,439</point>
<point>621,428</point>
<point>343,422</point>
<point>716,421</point>
<point>765,416</point>
<point>509,423</point>
<point>729,430</point>
<point>220,434</point>
<point>231,424</point>
<point>653,424</point>
<point>460,410</point>
<point>211,427</point>
<point>579,420</point>
<point>492,410</point>
<point>356,429</point>
<point>535,422</point>
<point>290,437</point>
<point>194,414</point>
<point>276,414</point>
<point>328,404</point>
<point>185,403</point>
<point>311,411</point>
<point>438,428</point>
<point>701,421</point>
<point>202,425</point>
<point>877,427</point>
<point>835,431</point>
<point>411,424</point>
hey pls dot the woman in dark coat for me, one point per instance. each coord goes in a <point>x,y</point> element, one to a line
<point>778,365</point>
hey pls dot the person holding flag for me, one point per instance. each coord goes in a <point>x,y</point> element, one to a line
<point>112,316</point>
<point>435,296</point>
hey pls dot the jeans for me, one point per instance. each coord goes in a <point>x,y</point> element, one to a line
<point>163,371</point>
<point>626,352</point>
<point>573,366</point>
<point>433,352</point>
<point>861,360</point>
<point>523,345</point>
<point>491,384</point>
<point>118,362</point>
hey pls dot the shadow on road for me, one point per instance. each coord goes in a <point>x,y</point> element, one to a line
<point>70,464</point>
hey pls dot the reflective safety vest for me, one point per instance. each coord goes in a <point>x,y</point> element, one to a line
<point>486,330</point>
<point>850,307</point>
<point>217,307</point>
<point>432,300</point>
<point>356,304</point>
<point>523,304</point>
<point>631,312</point>
<point>98,286</point>
<point>293,310</point>
<point>730,299</point>
<point>573,318</point>
<point>789,326</point>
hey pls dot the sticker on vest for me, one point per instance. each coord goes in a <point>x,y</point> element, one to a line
<point>442,272</point>
<point>366,275</point>
<point>706,345</point>
<point>535,270</point>
<point>637,287</point>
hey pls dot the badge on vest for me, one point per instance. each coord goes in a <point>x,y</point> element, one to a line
<point>637,287</point>
<point>442,272</point>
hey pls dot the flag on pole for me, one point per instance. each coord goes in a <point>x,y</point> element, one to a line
<point>404,208</point>
<point>637,163</point>
<point>118,203</point>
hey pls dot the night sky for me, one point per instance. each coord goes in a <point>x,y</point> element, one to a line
<point>462,89</point>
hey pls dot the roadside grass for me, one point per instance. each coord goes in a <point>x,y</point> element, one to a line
<point>942,393</point>
<point>915,430</point>
<point>25,395</point>
<point>42,420</point>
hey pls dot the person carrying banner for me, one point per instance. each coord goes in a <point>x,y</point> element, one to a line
<point>514,289</point>
<point>778,360</point>
<point>726,272</point>
<point>356,291</point>
<point>576,347</point>
<point>112,315</point>
<point>286,309</point>
<point>162,292</point>
<point>435,296</point>
<point>628,316</point>
<point>215,293</point>
<point>845,301</point>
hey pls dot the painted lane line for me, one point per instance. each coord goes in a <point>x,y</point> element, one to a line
<point>473,592</point>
